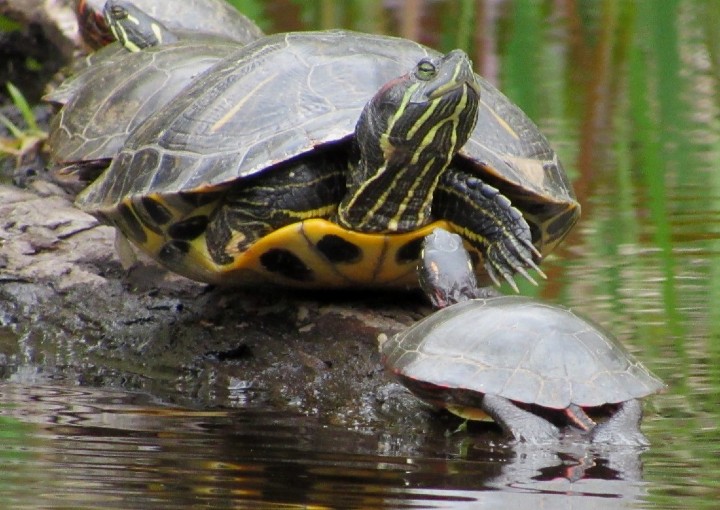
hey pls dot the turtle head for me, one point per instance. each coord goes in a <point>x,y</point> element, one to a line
<point>406,137</point>
<point>445,270</point>
<point>133,27</point>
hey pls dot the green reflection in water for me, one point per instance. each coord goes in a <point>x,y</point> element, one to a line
<point>18,451</point>
<point>710,15</point>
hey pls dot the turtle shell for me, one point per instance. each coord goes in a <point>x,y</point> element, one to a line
<point>79,72</point>
<point>109,99</point>
<point>520,349</point>
<point>288,96</point>
<point>216,17</point>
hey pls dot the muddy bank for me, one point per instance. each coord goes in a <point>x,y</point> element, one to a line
<point>75,313</point>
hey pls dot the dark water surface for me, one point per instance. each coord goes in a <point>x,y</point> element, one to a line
<point>629,95</point>
<point>68,447</point>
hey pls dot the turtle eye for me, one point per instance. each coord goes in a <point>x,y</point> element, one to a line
<point>118,12</point>
<point>425,70</point>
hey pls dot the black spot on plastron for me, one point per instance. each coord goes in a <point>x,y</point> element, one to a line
<point>157,212</point>
<point>338,250</point>
<point>410,251</point>
<point>189,228</point>
<point>133,229</point>
<point>173,252</point>
<point>287,264</point>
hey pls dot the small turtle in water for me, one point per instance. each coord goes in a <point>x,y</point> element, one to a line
<point>516,360</point>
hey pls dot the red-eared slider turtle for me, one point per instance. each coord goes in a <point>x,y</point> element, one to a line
<point>130,25</point>
<point>108,99</point>
<point>323,158</point>
<point>515,359</point>
<point>216,17</point>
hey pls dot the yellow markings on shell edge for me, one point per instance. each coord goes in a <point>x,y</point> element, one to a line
<point>377,265</point>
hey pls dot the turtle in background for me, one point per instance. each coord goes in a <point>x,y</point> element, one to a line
<point>123,84</point>
<point>213,17</point>
<point>119,89</point>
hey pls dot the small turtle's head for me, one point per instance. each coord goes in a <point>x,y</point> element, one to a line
<point>445,269</point>
<point>134,28</point>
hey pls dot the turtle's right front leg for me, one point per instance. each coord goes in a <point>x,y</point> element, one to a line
<point>520,424</point>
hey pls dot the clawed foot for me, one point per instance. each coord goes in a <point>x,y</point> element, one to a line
<point>538,431</point>
<point>623,428</point>
<point>513,253</point>
<point>494,226</point>
<point>509,243</point>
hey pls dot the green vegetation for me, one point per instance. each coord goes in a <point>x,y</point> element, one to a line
<point>22,140</point>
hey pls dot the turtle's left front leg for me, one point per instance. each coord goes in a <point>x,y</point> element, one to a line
<point>487,219</point>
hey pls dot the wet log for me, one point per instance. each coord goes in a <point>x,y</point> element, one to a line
<point>72,312</point>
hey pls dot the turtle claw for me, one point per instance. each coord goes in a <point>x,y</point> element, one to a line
<point>526,275</point>
<point>509,256</point>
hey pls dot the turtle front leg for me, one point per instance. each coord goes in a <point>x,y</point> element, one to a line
<point>623,427</point>
<point>289,194</point>
<point>520,424</point>
<point>487,219</point>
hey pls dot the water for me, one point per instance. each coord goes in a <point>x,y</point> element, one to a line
<point>628,94</point>
<point>66,447</point>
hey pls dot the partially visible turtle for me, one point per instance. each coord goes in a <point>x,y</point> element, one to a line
<point>216,17</point>
<point>517,360</point>
<point>108,99</point>
<point>129,27</point>
<point>321,159</point>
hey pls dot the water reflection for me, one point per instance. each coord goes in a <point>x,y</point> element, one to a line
<point>88,448</point>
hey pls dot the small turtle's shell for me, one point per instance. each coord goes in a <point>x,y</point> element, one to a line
<point>286,95</point>
<point>520,349</point>
<point>216,17</point>
<point>110,98</point>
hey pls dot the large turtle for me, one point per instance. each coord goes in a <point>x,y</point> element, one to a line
<point>323,158</point>
<point>105,101</point>
<point>517,360</point>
